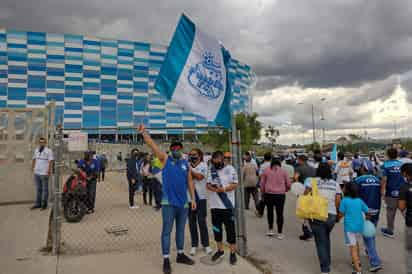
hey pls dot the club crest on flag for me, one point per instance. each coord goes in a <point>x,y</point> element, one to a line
<point>206,77</point>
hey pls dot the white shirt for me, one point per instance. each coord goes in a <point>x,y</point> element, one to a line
<point>200,185</point>
<point>327,189</point>
<point>41,166</point>
<point>343,171</point>
<point>227,176</point>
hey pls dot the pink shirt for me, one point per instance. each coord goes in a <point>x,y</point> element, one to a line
<point>275,181</point>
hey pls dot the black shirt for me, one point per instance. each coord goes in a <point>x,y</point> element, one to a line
<point>406,195</point>
<point>304,172</point>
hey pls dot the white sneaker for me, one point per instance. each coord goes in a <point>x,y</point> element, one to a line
<point>270,233</point>
<point>134,207</point>
<point>192,251</point>
<point>208,250</point>
<point>280,236</point>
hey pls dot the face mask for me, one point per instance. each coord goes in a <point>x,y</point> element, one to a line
<point>176,154</point>
<point>219,165</point>
<point>194,159</point>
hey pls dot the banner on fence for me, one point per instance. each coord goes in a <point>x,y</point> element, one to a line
<point>77,141</point>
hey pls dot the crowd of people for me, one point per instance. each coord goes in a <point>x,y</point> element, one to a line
<point>184,187</point>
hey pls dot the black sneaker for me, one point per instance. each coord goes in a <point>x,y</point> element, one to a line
<point>166,266</point>
<point>219,255</point>
<point>183,259</point>
<point>233,258</point>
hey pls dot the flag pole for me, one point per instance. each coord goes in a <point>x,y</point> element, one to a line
<point>240,206</point>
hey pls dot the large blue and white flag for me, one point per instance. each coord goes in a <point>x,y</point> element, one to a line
<point>194,74</point>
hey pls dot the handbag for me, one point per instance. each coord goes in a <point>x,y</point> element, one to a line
<point>312,206</point>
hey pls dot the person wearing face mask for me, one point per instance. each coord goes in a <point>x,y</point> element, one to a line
<point>133,175</point>
<point>198,217</point>
<point>176,181</point>
<point>221,183</point>
<point>42,169</point>
<point>90,167</point>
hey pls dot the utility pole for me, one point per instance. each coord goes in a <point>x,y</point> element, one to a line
<point>313,124</point>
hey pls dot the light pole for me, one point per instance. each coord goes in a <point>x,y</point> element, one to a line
<point>313,118</point>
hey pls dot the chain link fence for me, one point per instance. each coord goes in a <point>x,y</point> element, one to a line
<point>20,130</point>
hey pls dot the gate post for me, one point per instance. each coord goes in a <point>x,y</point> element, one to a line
<point>58,146</point>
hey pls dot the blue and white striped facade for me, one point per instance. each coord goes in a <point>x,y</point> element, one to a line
<point>97,83</point>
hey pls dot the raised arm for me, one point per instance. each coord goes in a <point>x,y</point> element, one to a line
<point>162,156</point>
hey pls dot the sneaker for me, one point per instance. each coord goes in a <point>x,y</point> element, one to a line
<point>35,207</point>
<point>134,207</point>
<point>233,258</point>
<point>192,251</point>
<point>375,268</point>
<point>166,266</point>
<point>218,256</point>
<point>183,259</point>
<point>280,236</point>
<point>270,233</point>
<point>208,250</point>
<point>387,233</point>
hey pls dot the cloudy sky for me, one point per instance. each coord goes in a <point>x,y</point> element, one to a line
<point>357,54</point>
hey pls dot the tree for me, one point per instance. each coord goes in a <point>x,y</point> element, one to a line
<point>271,134</point>
<point>249,128</point>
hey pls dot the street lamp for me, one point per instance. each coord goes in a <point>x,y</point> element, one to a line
<point>313,117</point>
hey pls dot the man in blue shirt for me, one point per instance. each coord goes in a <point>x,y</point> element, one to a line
<point>391,184</point>
<point>356,164</point>
<point>90,167</point>
<point>370,193</point>
<point>177,180</point>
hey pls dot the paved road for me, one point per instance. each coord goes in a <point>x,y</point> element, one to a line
<point>294,256</point>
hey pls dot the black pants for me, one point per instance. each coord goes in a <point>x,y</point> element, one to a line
<point>277,201</point>
<point>157,192</point>
<point>101,173</point>
<point>198,218</point>
<point>248,192</point>
<point>222,217</point>
<point>132,190</point>
<point>91,193</point>
<point>147,189</point>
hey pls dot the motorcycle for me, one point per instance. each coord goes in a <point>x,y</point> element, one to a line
<point>75,196</point>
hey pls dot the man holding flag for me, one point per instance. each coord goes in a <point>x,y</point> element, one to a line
<point>194,75</point>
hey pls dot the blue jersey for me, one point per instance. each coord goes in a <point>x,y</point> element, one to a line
<point>370,193</point>
<point>90,169</point>
<point>175,180</point>
<point>394,178</point>
<point>356,164</point>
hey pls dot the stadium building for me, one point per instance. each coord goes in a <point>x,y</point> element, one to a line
<point>98,84</point>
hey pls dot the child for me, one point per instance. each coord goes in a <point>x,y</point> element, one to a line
<point>353,208</point>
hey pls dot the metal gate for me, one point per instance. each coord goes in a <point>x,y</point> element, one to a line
<point>19,133</point>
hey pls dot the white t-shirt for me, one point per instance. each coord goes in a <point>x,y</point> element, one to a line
<point>200,185</point>
<point>328,189</point>
<point>343,171</point>
<point>41,166</point>
<point>227,176</point>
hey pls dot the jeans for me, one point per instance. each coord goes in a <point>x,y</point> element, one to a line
<point>321,231</point>
<point>42,189</point>
<point>277,201</point>
<point>198,218</point>
<point>251,191</point>
<point>370,244</point>
<point>169,215</point>
<point>91,193</point>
